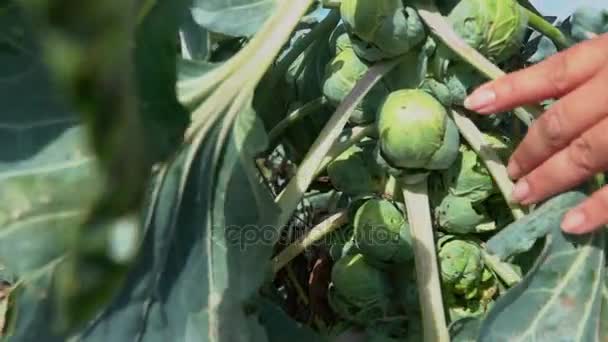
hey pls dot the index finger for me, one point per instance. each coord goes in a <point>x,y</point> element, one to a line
<point>554,77</point>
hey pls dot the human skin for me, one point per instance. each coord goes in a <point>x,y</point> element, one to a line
<point>568,143</point>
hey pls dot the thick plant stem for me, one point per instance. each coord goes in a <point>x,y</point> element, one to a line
<point>444,31</point>
<point>317,233</point>
<point>542,26</point>
<point>298,114</point>
<point>356,135</point>
<point>490,158</point>
<point>427,267</point>
<point>292,194</point>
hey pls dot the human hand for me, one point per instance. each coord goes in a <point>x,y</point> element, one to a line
<point>569,142</point>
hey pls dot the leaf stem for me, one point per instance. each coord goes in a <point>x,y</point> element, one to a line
<point>292,194</point>
<point>427,267</point>
<point>444,31</point>
<point>490,158</point>
<point>539,23</point>
<point>502,269</point>
<point>356,134</point>
<point>315,234</point>
<point>298,114</point>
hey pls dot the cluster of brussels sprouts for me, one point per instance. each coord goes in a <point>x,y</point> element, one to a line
<point>415,139</point>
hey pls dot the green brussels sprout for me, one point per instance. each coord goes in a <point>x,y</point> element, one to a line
<point>342,73</point>
<point>459,215</point>
<point>358,291</point>
<point>468,177</point>
<point>355,171</point>
<point>476,307</point>
<point>416,132</point>
<point>461,266</point>
<point>382,234</point>
<point>382,28</point>
<point>495,28</point>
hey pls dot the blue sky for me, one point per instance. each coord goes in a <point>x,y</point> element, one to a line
<point>563,8</point>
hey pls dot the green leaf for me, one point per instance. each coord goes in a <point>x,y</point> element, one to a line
<point>234,18</point>
<point>588,22</point>
<point>49,179</point>
<point>519,236</point>
<point>559,299</point>
<point>197,275</point>
<point>194,40</point>
<point>465,329</point>
<point>280,328</point>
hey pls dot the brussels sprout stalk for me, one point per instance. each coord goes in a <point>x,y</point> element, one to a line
<point>542,26</point>
<point>444,31</point>
<point>317,233</point>
<point>427,267</point>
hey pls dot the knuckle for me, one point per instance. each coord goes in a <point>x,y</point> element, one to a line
<point>601,199</point>
<point>558,75</point>
<point>581,154</point>
<point>550,127</point>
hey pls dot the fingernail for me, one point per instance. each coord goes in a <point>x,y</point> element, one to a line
<point>574,221</point>
<point>479,99</point>
<point>513,169</point>
<point>521,191</point>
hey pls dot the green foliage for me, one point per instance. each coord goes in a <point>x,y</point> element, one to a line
<point>566,282</point>
<point>588,22</point>
<point>416,132</point>
<point>382,233</point>
<point>232,18</point>
<point>521,235</point>
<point>121,225</point>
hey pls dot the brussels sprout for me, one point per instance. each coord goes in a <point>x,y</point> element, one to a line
<point>468,177</point>
<point>461,266</point>
<point>382,28</point>
<point>416,132</point>
<point>474,307</point>
<point>355,171</point>
<point>459,215</point>
<point>342,74</point>
<point>358,291</point>
<point>495,28</point>
<point>382,234</point>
